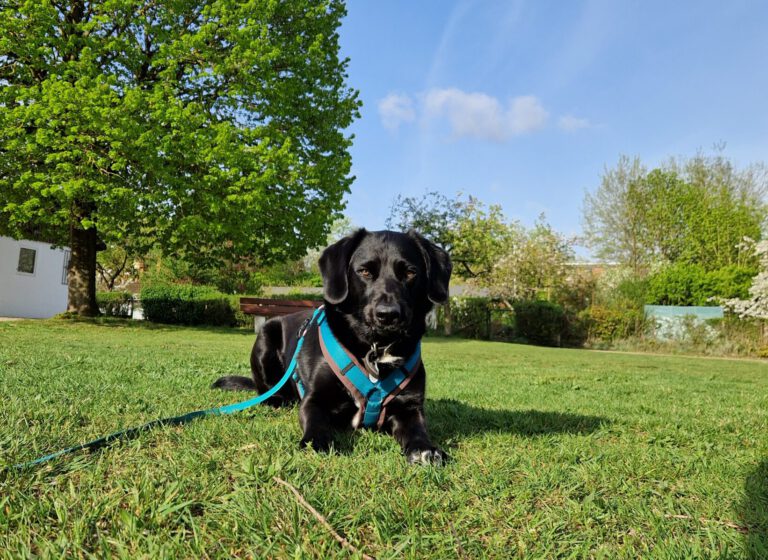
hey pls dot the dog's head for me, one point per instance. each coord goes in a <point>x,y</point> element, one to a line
<point>385,281</point>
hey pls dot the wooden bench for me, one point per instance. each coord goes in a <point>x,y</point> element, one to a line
<point>262,308</point>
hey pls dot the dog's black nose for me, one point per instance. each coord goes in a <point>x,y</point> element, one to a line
<point>386,314</point>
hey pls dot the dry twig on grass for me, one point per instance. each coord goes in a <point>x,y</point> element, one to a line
<point>461,551</point>
<point>344,542</point>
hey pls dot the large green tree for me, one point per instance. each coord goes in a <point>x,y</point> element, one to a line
<point>695,211</point>
<point>214,128</point>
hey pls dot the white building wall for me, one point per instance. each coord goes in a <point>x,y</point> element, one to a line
<point>38,295</point>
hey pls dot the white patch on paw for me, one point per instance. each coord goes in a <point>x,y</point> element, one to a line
<point>426,457</point>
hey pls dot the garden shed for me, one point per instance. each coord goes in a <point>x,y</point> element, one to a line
<point>33,278</point>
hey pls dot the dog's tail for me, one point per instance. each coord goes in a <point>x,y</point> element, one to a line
<point>235,383</point>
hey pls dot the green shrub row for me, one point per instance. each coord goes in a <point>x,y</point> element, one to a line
<point>691,284</point>
<point>534,321</point>
<point>185,304</point>
<point>115,304</point>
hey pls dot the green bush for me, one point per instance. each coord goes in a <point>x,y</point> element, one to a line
<point>630,292</point>
<point>576,329</point>
<point>578,292</point>
<point>678,284</point>
<point>185,304</point>
<point>731,282</point>
<point>115,304</point>
<point>470,316</point>
<point>287,274</point>
<point>691,284</point>
<point>241,319</point>
<point>540,322</point>
<point>605,323</point>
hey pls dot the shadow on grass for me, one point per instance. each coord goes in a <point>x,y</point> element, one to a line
<point>754,512</point>
<point>450,419</point>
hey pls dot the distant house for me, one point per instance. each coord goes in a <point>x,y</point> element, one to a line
<point>33,278</point>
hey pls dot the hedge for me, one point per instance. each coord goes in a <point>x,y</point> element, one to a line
<point>184,304</point>
<point>540,322</point>
<point>534,321</point>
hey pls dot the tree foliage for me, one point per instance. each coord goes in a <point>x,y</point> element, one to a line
<point>433,215</point>
<point>487,249</point>
<point>213,128</point>
<point>535,263</point>
<point>476,236</point>
<point>615,216</point>
<point>694,211</point>
<point>685,283</point>
<point>480,238</point>
<point>115,266</point>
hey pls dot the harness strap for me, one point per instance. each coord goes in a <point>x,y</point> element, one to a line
<point>371,394</point>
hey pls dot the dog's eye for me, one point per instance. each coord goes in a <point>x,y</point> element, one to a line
<point>410,275</point>
<point>364,273</point>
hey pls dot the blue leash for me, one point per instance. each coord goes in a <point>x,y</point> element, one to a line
<point>184,418</point>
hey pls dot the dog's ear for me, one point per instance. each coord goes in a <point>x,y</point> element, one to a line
<point>334,263</point>
<point>438,268</point>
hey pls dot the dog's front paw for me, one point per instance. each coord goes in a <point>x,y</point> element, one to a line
<point>430,456</point>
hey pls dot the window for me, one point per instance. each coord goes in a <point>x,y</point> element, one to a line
<point>67,255</point>
<point>27,260</point>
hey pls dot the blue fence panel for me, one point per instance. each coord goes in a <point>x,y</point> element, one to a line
<point>670,319</point>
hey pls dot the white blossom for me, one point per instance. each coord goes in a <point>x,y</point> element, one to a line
<point>757,305</point>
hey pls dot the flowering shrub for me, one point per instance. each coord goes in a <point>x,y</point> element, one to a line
<point>757,304</point>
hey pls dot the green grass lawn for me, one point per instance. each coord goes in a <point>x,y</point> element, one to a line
<point>557,454</point>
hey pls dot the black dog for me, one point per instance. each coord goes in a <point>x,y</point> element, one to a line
<point>378,289</point>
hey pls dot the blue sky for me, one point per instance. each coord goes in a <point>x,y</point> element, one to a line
<point>523,103</point>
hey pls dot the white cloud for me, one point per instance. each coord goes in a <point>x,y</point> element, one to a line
<point>396,109</point>
<point>472,114</point>
<point>570,123</point>
<point>526,114</point>
<point>475,115</point>
<point>478,115</point>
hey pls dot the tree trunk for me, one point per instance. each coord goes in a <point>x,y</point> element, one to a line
<point>81,277</point>
<point>447,326</point>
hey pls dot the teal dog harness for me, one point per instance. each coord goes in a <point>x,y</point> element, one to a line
<point>370,393</point>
